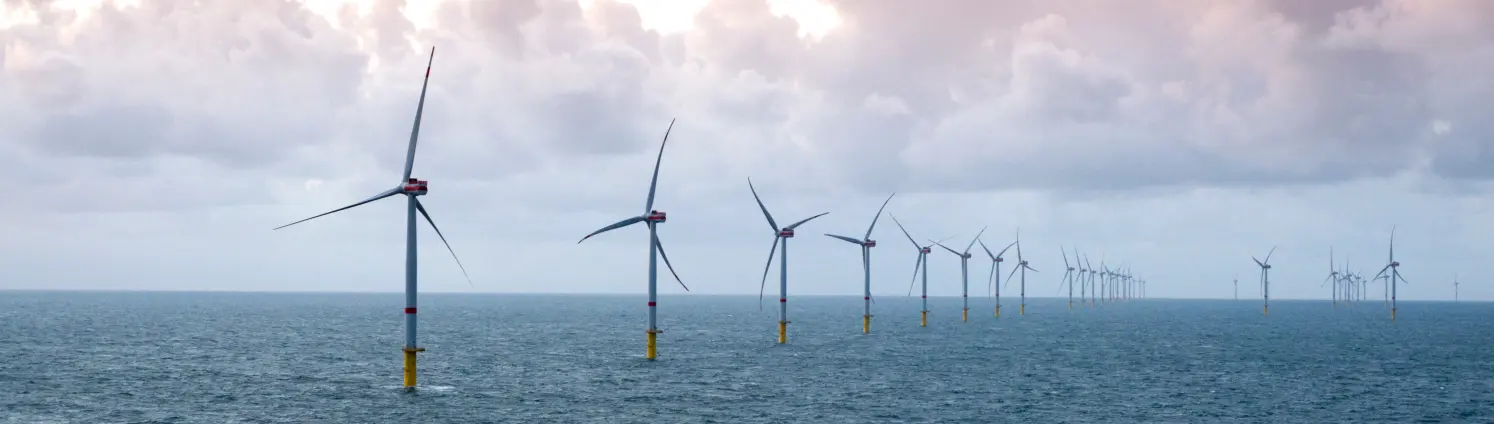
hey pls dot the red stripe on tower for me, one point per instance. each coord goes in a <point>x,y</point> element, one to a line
<point>782,300</point>
<point>652,304</point>
<point>409,310</point>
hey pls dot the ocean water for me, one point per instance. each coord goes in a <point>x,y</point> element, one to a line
<point>96,357</point>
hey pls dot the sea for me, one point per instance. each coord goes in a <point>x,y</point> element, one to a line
<point>177,357</point>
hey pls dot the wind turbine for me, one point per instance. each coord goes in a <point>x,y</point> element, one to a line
<point>866,244</point>
<point>1265,280</point>
<point>1395,273</point>
<point>1333,276</point>
<point>652,218</point>
<point>1068,274</point>
<point>964,273</point>
<point>411,188</point>
<point>1237,286</point>
<point>1021,266</point>
<point>1455,288</point>
<point>996,260</point>
<point>1093,290</point>
<point>923,259</point>
<point>781,236</point>
<point>1080,276</point>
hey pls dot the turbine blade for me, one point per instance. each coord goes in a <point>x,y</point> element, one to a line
<point>987,249</point>
<point>1009,276</point>
<point>1029,268</point>
<point>1268,255</point>
<point>759,200</point>
<point>660,245</point>
<point>391,192</point>
<point>1258,262</point>
<point>420,207</point>
<point>654,184</point>
<point>991,279</point>
<point>797,224</point>
<point>915,273</point>
<point>614,226</point>
<point>419,110</point>
<point>878,215</point>
<point>1065,256</point>
<point>977,238</point>
<point>761,288</point>
<point>847,239</point>
<point>905,233</point>
<point>1003,250</point>
<point>946,248</point>
<point>1382,272</point>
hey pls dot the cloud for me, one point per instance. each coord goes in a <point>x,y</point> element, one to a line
<point>548,112</point>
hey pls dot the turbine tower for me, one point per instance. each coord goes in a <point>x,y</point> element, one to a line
<point>780,236</point>
<point>923,258</point>
<point>652,218</point>
<point>411,188</point>
<point>1093,289</point>
<point>866,244</point>
<point>964,274</point>
<point>1395,274</point>
<point>1021,266</point>
<point>1068,274</point>
<point>996,260</point>
<point>1333,276</point>
<point>1455,288</point>
<point>1265,280</point>
<point>1083,271</point>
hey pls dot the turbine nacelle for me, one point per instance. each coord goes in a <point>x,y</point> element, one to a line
<point>925,250</point>
<point>786,233</point>
<point>1395,264</point>
<point>415,187</point>
<point>869,243</point>
<point>1023,263</point>
<point>999,259</point>
<point>965,255</point>
<point>656,216</point>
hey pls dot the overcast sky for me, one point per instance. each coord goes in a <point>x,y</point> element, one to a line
<point>153,144</point>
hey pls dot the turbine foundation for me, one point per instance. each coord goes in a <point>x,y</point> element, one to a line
<point>924,320</point>
<point>410,365</point>
<point>998,311</point>
<point>965,315</point>
<point>865,324</point>
<point>1392,314</point>
<point>782,332</point>
<point>1022,309</point>
<point>1266,310</point>
<point>653,345</point>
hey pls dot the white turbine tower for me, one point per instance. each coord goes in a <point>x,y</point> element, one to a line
<point>652,218</point>
<point>1334,277</point>
<point>866,244</point>
<point>1021,266</point>
<point>1265,281</point>
<point>995,278</point>
<point>780,236</point>
<point>923,259</point>
<point>1395,274</point>
<point>411,188</point>
<point>1068,273</point>
<point>964,274</point>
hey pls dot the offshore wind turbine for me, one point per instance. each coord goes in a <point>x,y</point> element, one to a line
<point>1333,276</point>
<point>923,259</point>
<point>652,218</point>
<point>996,260</point>
<point>866,244</point>
<point>781,236</point>
<point>1021,266</point>
<point>1080,276</point>
<point>1265,280</point>
<point>964,274</point>
<point>1093,289</point>
<point>1455,288</point>
<point>1237,286</point>
<point>1395,273</point>
<point>411,188</point>
<point>1068,274</point>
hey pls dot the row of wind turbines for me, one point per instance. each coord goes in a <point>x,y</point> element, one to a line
<point>1347,285</point>
<point>1098,284</point>
<point>1116,285</point>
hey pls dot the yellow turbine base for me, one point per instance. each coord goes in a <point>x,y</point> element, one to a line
<point>410,365</point>
<point>1266,310</point>
<point>653,346</point>
<point>924,322</point>
<point>998,311</point>
<point>965,315</point>
<point>1022,309</point>
<point>1071,304</point>
<point>866,324</point>
<point>782,332</point>
<point>1392,314</point>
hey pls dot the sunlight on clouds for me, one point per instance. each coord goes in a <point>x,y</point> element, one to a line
<point>814,17</point>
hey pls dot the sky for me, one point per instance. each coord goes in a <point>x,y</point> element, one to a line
<point>153,144</point>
